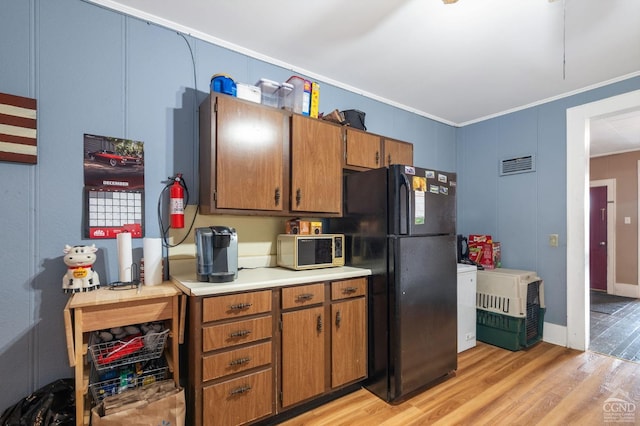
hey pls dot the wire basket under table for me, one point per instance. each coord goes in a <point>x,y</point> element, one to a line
<point>135,349</point>
<point>125,377</point>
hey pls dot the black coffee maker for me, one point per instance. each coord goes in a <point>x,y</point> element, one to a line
<point>217,252</point>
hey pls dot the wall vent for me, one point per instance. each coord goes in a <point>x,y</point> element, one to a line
<point>512,166</point>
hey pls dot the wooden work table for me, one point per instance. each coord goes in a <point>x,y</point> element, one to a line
<point>105,308</point>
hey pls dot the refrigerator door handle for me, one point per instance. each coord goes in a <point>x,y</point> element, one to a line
<point>405,182</point>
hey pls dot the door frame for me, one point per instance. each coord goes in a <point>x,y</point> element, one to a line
<point>638,217</point>
<point>610,184</point>
<point>578,140</point>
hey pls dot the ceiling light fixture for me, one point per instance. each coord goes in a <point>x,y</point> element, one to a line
<point>449,1</point>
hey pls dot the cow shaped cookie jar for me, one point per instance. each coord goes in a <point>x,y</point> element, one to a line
<point>80,275</point>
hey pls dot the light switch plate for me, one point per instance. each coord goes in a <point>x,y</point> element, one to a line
<point>553,240</point>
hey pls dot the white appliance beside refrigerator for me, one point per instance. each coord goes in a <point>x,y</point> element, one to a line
<point>467,282</point>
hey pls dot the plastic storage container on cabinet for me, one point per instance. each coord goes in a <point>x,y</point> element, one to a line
<point>223,83</point>
<point>301,94</point>
<point>270,90</point>
<point>510,308</point>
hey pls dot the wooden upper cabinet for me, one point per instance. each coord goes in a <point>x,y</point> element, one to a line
<point>316,166</point>
<point>242,156</point>
<point>249,139</point>
<point>397,152</point>
<point>362,149</point>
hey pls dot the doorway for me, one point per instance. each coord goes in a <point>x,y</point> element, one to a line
<point>578,119</point>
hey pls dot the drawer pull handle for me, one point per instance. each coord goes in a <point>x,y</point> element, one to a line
<point>239,306</point>
<point>304,296</point>
<point>240,390</point>
<point>240,333</point>
<point>350,290</point>
<point>239,361</point>
<point>319,323</point>
<point>338,319</point>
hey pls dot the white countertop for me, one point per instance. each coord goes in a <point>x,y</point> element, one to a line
<point>259,278</point>
<point>463,267</point>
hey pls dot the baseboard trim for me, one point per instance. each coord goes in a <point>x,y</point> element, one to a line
<point>555,334</point>
<point>626,290</point>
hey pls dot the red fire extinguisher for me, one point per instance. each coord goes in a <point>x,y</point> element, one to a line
<point>176,196</point>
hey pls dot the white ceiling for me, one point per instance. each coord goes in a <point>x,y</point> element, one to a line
<point>458,63</point>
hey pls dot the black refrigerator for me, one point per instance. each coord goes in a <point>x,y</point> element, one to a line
<point>400,222</point>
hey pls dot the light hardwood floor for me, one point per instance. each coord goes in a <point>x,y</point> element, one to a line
<point>545,385</point>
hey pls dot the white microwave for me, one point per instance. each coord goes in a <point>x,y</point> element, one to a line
<point>302,252</point>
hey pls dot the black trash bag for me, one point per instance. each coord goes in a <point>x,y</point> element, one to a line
<point>53,404</point>
<point>354,118</point>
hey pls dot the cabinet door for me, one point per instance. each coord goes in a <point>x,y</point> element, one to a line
<point>316,166</point>
<point>348,341</point>
<point>362,149</point>
<point>398,152</point>
<point>303,355</point>
<point>249,156</point>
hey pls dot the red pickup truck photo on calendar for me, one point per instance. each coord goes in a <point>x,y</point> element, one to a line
<point>113,187</point>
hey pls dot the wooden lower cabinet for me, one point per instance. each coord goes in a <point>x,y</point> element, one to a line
<point>303,355</point>
<point>238,401</point>
<point>257,354</point>
<point>348,341</point>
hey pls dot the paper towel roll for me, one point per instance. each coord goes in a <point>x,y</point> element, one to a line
<point>125,256</point>
<point>152,252</point>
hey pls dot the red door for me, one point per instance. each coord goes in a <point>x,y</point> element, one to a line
<point>598,238</point>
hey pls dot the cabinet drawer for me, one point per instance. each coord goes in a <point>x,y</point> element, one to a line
<point>303,295</point>
<point>234,333</point>
<point>235,305</point>
<point>348,288</point>
<point>235,361</point>
<point>239,400</point>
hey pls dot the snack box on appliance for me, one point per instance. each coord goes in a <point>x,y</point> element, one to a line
<point>316,228</point>
<point>297,226</point>
<point>497,254</point>
<point>481,250</point>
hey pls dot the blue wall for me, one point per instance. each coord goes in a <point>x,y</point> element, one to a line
<point>96,71</point>
<point>522,210</point>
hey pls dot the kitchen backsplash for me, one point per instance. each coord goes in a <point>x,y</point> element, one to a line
<point>256,237</point>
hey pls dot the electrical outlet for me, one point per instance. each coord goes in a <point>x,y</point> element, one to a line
<point>553,240</point>
<point>470,336</point>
